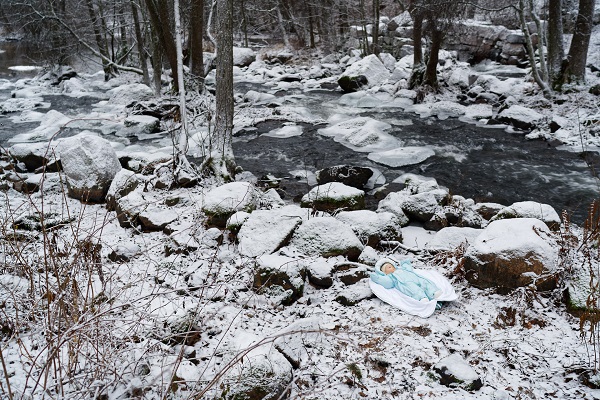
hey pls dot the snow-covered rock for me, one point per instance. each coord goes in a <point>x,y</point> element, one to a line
<point>253,96</point>
<point>354,294</point>
<point>402,156</point>
<point>304,340</point>
<point>520,117</point>
<point>455,371</point>
<point>124,252</point>
<point>320,272</point>
<point>445,109</point>
<point>326,236</point>
<point>350,175</point>
<point>371,70</point>
<point>488,210</point>
<point>333,196</point>
<point>243,57</point>
<point>123,183</point>
<point>448,239</point>
<point>127,94</point>
<point>139,124</point>
<point>154,218</point>
<point>372,227</point>
<point>129,207</point>
<point>235,222</point>
<point>531,209</point>
<point>265,231</point>
<point>279,277</point>
<point>90,164</point>
<point>393,203</point>
<point>14,105</point>
<point>511,253</point>
<point>35,155</point>
<point>223,201</point>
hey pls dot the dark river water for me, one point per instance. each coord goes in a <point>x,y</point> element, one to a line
<point>486,164</point>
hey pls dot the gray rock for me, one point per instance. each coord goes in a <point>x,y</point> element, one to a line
<point>326,236</point>
<point>354,176</point>
<point>372,227</point>
<point>265,231</point>
<point>223,201</point>
<point>280,278</point>
<point>354,294</point>
<point>90,164</point>
<point>454,371</point>
<point>320,273</point>
<point>334,196</point>
<point>531,209</point>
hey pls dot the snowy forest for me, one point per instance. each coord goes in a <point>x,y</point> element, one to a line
<point>272,199</point>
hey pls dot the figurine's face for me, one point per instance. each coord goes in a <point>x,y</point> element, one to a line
<point>387,268</point>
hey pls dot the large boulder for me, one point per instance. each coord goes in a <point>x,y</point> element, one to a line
<point>513,253</point>
<point>372,227</point>
<point>90,164</point>
<point>124,182</point>
<point>127,94</point>
<point>265,231</point>
<point>369,71</point>
<point>333,196</point>
<point>242,56</point>
<point>225,200</point>
<point>531,209</point>
<point>279,277</point>
<point>326,236</point>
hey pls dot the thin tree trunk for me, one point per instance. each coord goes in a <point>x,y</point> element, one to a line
<point>196,45</point>
<point>375,32</point>
<point>417,38</point>
<point>244,22</point>
<point>140,42</point>
<point>542,41</point>
<point>530,52</point>
<point>99,39</point>
<point>286,37</point>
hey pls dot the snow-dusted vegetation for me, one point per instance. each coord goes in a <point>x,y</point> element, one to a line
<point>138,261</point>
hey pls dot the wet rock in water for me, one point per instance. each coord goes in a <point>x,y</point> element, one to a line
<point>280,278</point>
<point>320,273</point>
<point>520,117</point>
<point>90,164</point>
<point>531,209</point>
<point>454,371</point>
<point>351,84</point>
<point>58,74</point>
<point>327,237</point>
<point>334,196</point>
<point>513,253</point>
<point>354,294</point>
<point>350,273</point>
<point>354,176</point>
<point>372,227</point>
<point>223,201</point>
<point>265,231</point>
<point>369,69</point>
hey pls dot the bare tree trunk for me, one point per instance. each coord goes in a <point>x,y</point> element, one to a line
<point>159,18</point>
<point>530,51</point>
<point>542,41</point>
<point>417,38</point>
<point>244,22</point>
<point>221,155</point>
<point>286,37</point>
<point>196,46</point>
<point>100,42</point>
<point>375,32</point>
<point>140,42</point>
<point>577,58</point>
<point>437,36</point>
<point>556,52</point>
<point>311,27</point>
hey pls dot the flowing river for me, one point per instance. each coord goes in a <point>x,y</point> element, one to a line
<point>486,164</point>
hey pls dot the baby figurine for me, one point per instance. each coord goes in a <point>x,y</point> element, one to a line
<point>403,278</point>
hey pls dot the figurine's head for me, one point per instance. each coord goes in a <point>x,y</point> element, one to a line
<point>387,268</point>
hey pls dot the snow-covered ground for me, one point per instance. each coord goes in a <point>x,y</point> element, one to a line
<point>174,313</point>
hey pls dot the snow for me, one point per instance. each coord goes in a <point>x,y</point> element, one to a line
<point>264,231</point>
<point>229,198</point>
<point>286,131</point>
<point>334,191</point>
<point>448,239</point>
<point>213,282</point>
<point>324,235</point>
<point>402,156</point>
<point>24,68</point>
